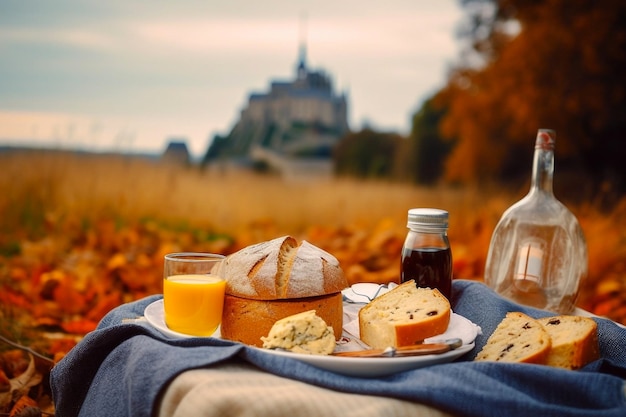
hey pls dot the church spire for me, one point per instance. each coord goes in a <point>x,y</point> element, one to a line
<point>301,69</point>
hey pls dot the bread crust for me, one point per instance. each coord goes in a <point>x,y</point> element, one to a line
<point>410,334</point>
<point>246,320</point>
<point>281,269</point>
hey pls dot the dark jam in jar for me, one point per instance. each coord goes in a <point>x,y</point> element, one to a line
<point>429,267</point>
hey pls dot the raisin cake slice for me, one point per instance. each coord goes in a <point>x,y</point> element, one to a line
<point>404,316</point>
<point>518,338</point>
<point>574,341</point>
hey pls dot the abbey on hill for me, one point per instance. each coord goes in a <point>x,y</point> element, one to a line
<point>300,119</point>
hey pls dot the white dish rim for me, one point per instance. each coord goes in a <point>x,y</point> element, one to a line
<point>350,366</point>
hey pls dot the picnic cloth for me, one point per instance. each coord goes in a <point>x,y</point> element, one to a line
<point>242,390</point>
<point>123,368</point>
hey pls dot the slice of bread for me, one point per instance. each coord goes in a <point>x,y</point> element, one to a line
<point>518,338</point>
<point>404,316</point>
<point>574,341</point>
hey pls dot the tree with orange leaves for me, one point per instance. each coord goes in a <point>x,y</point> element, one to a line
<point>556,64</point>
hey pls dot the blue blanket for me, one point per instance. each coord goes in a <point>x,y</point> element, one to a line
<point>120,369</point>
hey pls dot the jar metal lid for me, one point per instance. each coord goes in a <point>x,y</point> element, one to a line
<point>427,218</point>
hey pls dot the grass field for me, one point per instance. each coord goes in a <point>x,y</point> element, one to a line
<point>46,190</point>
<point>92,185</point>
<point>52,189</point>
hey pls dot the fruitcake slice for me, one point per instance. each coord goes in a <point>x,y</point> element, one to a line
<point>518,338</point>
<point>574,341</point>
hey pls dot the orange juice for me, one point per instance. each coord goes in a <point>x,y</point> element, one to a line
<point>193,303</point>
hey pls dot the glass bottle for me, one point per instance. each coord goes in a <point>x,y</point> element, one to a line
<point>538,254</point>
<point>426,255</point>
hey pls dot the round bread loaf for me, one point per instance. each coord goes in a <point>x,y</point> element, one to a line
<point>246,321</point>
<point>275,279</point>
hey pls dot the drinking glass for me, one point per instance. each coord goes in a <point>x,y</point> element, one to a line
<point>193,295</point>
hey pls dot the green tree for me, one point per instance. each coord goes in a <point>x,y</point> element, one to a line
<point>367,154</point>
<point>215,149</point>
<point>427,151</point>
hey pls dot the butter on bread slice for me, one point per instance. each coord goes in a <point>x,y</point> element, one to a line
<point>305,332</point>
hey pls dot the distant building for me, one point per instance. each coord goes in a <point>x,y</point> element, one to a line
<point>299,119</point>
<point>176,153</point>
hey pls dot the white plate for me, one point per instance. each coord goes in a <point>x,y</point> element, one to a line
<point>375,367</point>
<point>360,367</point>
<point>155,315</point>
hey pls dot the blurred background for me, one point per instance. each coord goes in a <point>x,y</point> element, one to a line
<point>126,76</point>
<point>129,130</point>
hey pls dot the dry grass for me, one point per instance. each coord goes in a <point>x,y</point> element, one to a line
<point>92,185</point>
<point>39,186</point>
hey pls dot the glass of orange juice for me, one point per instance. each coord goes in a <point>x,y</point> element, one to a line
<point>193,296</point>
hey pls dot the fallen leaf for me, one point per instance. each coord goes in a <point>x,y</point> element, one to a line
<point>104,304</point>
<point>116,261</point>
<point>79,326</point>
<point>29,378</point>
<point>5,384</point>
<point>5,391</point>
<point>25,407</point>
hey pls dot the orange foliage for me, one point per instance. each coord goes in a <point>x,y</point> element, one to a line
<point>563,70</point>
<point>17,376</point>
<point>22,406</point>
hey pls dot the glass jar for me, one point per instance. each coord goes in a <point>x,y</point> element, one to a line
<point>426,255</point>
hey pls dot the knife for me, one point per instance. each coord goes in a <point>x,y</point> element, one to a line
<point>412,350</point>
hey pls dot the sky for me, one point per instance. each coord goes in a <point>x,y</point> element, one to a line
<point>130,75</point>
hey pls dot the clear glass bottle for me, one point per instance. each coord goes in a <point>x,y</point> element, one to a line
<point>538,254</point>
<point>426,255</point>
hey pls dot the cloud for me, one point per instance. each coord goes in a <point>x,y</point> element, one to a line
<point>207,35</point>
<point>187,67</point>
<point>68,37</point>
